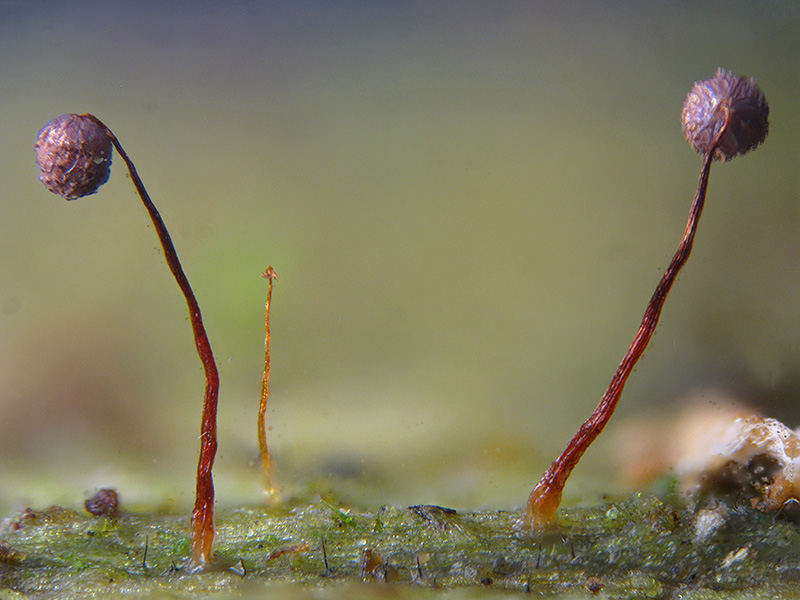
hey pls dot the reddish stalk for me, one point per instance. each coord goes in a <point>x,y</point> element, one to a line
<point>202,528</point>
<point>546,496</point>
<point>722,117</point>
<point>266,463</point>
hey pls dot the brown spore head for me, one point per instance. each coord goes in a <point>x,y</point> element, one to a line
<point>105,503</point>
<point>725,115</point>
<point>74,156</point>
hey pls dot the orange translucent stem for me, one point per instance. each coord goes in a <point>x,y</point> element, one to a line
<point>546,496</point>
<point>202,529</point>
<point>266,463</point>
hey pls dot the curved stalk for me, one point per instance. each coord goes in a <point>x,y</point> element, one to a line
<point>546,496</point>
<point>202,528</point>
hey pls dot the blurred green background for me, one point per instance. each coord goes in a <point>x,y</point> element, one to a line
<point>468,205</point>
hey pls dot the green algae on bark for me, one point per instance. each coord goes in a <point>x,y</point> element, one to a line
<point>642,547</point>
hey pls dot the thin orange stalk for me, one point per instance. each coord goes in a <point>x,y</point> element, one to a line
<point>266,463</point>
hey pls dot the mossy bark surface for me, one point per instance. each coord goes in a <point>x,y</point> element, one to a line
<point>643,547</point>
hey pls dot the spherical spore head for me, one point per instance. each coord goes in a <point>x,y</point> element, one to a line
<point>74,156</point>
<point>727,108</point>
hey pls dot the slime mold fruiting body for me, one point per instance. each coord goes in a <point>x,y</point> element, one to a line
<point>74,157</point>
<point>723,116</point>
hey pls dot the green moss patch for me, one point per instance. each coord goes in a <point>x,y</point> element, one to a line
<point>643,547</point>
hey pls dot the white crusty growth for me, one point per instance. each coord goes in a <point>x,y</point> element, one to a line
<point>751,455</point>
